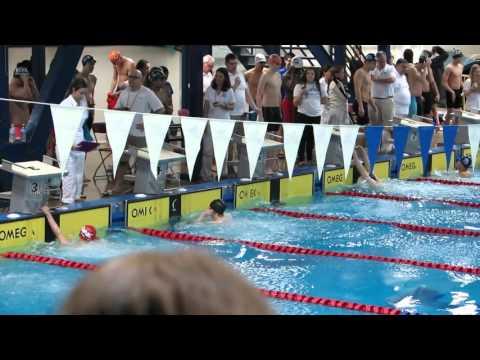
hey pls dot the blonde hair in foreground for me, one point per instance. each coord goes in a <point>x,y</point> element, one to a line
<point>155,283</point>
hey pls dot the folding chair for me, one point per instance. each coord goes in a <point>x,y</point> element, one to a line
<point>105,152</point>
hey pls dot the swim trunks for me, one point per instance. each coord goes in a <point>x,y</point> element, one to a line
<point>272,114</point>
<point>456,103</point>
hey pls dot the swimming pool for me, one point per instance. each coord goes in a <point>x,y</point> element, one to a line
<point>30,288</point>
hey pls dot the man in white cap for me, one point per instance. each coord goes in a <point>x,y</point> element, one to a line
<point>253,75</point>
<point>208,64</point>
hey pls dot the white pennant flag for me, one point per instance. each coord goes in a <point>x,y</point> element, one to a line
<point>322,135</point>
<point>221,134</point>
<point>193,129</point>
<point>118,125</point>
<point>156,127</point>
<point>474,136</point>
<point>254,139</point>
<point>66,122</point>
<point>348,137</point>
<point>292,134</point>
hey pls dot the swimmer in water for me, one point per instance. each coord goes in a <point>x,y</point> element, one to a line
<point>359,156</point>
<point>216,212</point>
<point>87,232</point>
<point>462,165</point>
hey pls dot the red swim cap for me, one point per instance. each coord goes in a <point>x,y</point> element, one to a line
<point>88,233</point>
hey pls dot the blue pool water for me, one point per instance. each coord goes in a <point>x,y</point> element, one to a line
<point>28,288</point>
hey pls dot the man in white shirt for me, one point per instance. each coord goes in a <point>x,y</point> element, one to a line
<point>208,64</point>
<point>401,90</point>
<point>243,99</point>
<point>140,99</point>
<point>383,77</point>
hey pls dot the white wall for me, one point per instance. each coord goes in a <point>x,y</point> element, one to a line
<point>103,68</point>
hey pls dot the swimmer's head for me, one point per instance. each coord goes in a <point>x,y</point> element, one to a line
<point>465,162</point>
<point>114,56</point>
<point>218,206</point>
<point>88,233</point>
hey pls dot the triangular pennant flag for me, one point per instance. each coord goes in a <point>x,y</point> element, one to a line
<point>373,135</point>
<point>221,135</point>
<point>66,122</point>
<point>254,139</point>
<point>474,136</point>
<point>425,134</point>
<point>193,129</point>
<point>400,136</point>
<point>118,125</point>
<point>449,135</point>
<point>156,127</point>
<point>292,134</point>
<point>348,137</point>
<point>321,134</point>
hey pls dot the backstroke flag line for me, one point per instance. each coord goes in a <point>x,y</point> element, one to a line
<point>474,136</point>
<point>292,134</point>
<point>193,129</point>
<point>322,135</point>
<point>348,137</point>
<point>254,139</point>
<point>156,127</point>
<point>221,134</point>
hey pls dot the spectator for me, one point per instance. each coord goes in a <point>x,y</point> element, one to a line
<point>363,87</point>
<point>208,64</point>
<point>324,81</point>
<point>439,56</point>
<point>144,66</point>
<point>401,90</point>
<point>289,81</point>
<point>157,82</point>
<point>307,98</point>
<point>22,87</point>
<point>88,65</point>
<point>472,89</point>
<point>430,93</point>
<point>219,102</point>
<point>337,98</point>
<point>72,183</point>
<point>415,84</point>
<point>139,99</point>
<point>155,283</point>
<point>269,93</point>
<point>383,77</point>
<point>243,99</point>
<point>122,66</point>
<point>354,64</point>
<point>253,75</point>
<point>168,86</point>
<point>286,63</point>
<point>452,82</point>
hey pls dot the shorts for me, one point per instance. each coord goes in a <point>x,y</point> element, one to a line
<point>288,110</point>
<point>272,114</point>
<point>427,103</point>
<point>456,103</point>
<point>361,120</point>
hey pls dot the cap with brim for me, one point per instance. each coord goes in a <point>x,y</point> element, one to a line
<point>260,58</point>
<point>88,59</point>
<point>19,71</point>
<point>297,62</point>
<point>457,54</point>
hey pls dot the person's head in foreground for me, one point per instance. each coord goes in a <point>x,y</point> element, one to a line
<point>463,165</point>
<point>217,208</point>
<point>155,283</point>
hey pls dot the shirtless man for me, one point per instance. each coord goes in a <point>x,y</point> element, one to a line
<point>430,93</point>
<point>253,75</point>
<point>363,88</point>
<point>452,82</point>
<point>88,63</point>
<point>121,67</point>
<point>22,87</point>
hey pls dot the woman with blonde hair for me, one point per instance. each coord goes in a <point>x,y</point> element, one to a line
<point>471,89</point>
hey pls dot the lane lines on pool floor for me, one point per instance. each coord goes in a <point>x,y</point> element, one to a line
<point>316,300</point>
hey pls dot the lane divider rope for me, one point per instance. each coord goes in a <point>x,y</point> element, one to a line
<point>447,182</point>
<point>435,230</point>
<point>374,309</point>
<point>176,236</point>
<point>404,198</point>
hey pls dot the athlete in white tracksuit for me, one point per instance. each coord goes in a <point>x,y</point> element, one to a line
<point>72,183</point>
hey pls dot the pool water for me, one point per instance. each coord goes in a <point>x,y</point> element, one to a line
<point>29,288</point>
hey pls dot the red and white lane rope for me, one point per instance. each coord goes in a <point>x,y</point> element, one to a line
<point>447,182</point>
<point>366,308</point>
<point>435,230</point>
<point>475,205</point>
<point>176,236</point>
